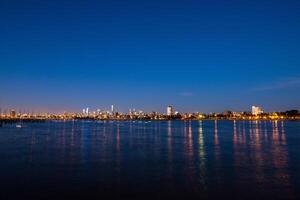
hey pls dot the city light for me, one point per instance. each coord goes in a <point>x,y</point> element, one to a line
<point>256,113</point>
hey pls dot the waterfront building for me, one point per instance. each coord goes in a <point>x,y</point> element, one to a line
<point>12,113</point>
<point>98,111</point>
<point>170,111</point>
<point>256,110</point>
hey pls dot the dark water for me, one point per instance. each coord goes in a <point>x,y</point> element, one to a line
<point>150,160</point>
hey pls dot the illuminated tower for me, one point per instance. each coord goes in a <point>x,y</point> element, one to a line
<point>170,111</point>
<point>112,109</point>
<point>257,110</point>
<point>98,111</point>
<point>12,113</point>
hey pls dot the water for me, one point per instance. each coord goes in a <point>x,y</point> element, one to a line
<point>150,160</point>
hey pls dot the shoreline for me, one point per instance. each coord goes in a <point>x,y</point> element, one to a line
<point>42,120</point>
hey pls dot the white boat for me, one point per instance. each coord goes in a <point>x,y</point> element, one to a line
<point>19,126</point>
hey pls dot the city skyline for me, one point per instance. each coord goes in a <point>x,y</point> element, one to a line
<point>198,56</point>
<point>169,111</point>
<point>256,113</point>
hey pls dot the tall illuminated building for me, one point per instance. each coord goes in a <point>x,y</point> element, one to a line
<point>170,111</point>
<point>256,110</point>
<point>12,113</point>
<point>112,109</point>
<point>98,111</point>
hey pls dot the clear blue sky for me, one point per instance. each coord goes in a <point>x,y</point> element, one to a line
<point>197,55</point>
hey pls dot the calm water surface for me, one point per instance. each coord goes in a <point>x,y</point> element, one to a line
<point>151,160</point>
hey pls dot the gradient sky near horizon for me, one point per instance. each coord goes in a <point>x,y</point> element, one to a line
<point>197,55</point>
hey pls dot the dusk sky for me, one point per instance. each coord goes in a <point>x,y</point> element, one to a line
<point>206,56</point>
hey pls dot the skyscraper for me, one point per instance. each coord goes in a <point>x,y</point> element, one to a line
<point>170,111</point>
<point>256,110</point>
<point>112,109</point>
<point>12,113</point>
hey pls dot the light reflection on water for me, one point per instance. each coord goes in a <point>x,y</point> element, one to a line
<point>158,158</point>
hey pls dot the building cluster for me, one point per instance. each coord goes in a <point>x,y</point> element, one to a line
<point>256,113</point>
<point>256,110</point>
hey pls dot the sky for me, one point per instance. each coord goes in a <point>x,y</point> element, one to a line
<point>197,55</point>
